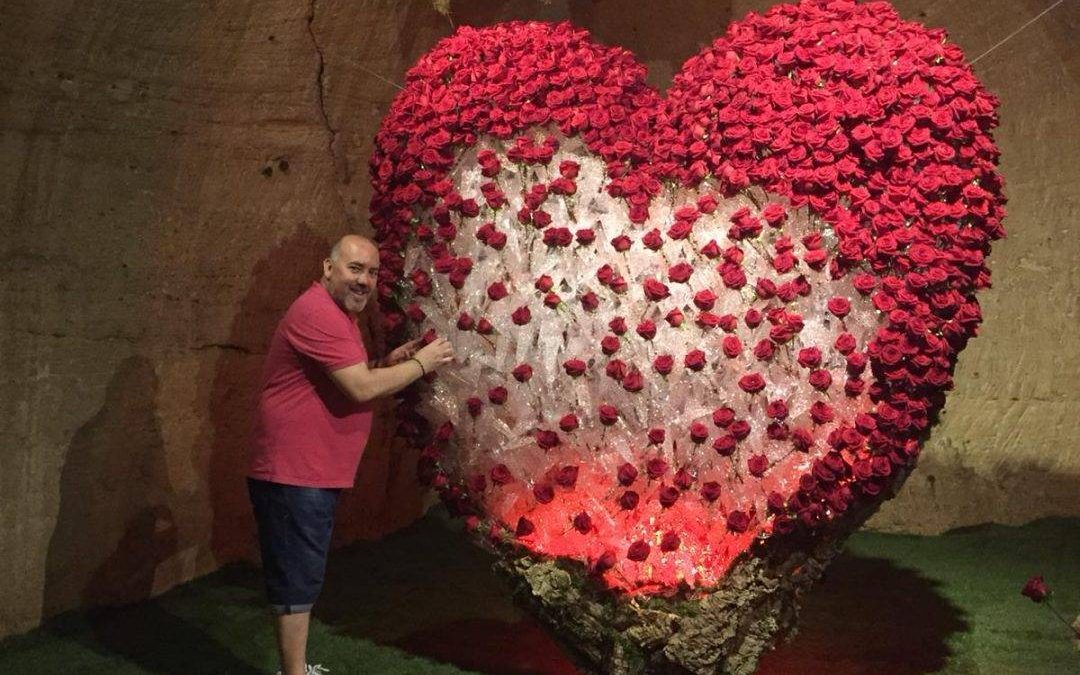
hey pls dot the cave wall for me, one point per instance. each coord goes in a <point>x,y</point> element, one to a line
<point>174,172</point>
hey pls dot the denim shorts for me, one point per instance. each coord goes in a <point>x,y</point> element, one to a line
<point>294,524</point>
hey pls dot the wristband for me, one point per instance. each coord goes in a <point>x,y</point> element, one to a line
<point>422,369</point>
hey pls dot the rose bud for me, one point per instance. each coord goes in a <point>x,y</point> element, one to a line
<point>752,383</point>
<point>674,318</point>
<point>465,322</point>
<point>707,320</point>
<point>764,350</point>
<point>541,219</point>
<point>839,306</point>
<point>634,381</point>
<point>695,360</point>
<point>497,395</point>
<point>567,476</point>
<point>653,240</point>
<point>609,345</point>
<point>802,440</point>
<point>500,474</point>
<point>738,522</point>
<point>484,327</point>
<point>732,346</point>
<point>616,370</point>
<point>568,422</point>
<point>617,325</point>
<point>521,316</point>
<point>582,522</point>
<point>705,299</point>
<point>680,272</point>
<point>821,412</point>
<point>522,372</point>
<point>711,250</point>
<point>723,417</point>
<point>621,243</point>
<point>618,284</point>
<point>590,301</point>
<point>552,300</point>
<point>683,479</point>
<point>820,379</point>
<point>816,258</point>
<point>627,474</point>
<point>497,291</point>
<point>752,318</point>
<point>670,542</point>
<point>558,236</point>
<point>663,364</point>
<point>609,414</point>
<point>569,169</point>
<point>629,500</point>
<point>655,290</point>
<point>547,439</point>
<point>740,429</point>
<point>854,387</point>
<point>757,465</point>
<point>544,283</point>
<point>647,329</point>
<point>585,236</point>
<point>765,288</point>
<point>474,405</point>
<point>543,493</point>
<point>845,343</point>
<point>638,551</point>
<point>656,436</point>
<point>699,433</point>
<point>724,445</point>
<point>710,491</point>
<point>574,367</point>
<point>524,528</point>
<point>774,214</point>
<point>605,562</point>
<point>1036,589</point>
<point>668,496</point>
<point>656,468</point>
<point>777,409</point>
<point>809,357</point>
<point>707,204</point>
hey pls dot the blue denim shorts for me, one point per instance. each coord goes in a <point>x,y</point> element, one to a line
<point>294,524</point>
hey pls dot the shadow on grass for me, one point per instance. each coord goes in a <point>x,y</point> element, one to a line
<point>869,616</point>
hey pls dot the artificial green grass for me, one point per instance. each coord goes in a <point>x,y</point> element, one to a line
<point>423,601</point>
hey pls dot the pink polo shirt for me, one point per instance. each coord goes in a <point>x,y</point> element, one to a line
<point>307,431</point>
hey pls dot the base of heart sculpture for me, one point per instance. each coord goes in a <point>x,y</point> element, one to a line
<point>724,630</point>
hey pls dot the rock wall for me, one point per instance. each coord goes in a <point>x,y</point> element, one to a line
<point>175,171</point>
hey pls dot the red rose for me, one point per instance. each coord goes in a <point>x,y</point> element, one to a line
<point>474,405</point>
<point>558,236</point>
<point>723,417</point>
<point>609,414</point>
<point>752,383</point>
<point>617,325</point>
<point>609,345</point>
<point>541,219</point>
<point>711,250</point>
<point>809,357</point>
<point>757,465</point>
<point>684,479</point>
<point>547,439</point>
<point>821,412</point>
<point>568,422</point>
<point>638,551</point>
<point>569,169</point>
<point>670,541</point>
<point>521,315</point>
<point>621,243</point>
<point>604,562</point>
<point>445,431</point>
<point>500,474</point>
<point>839,306</point>
<point>777,409</point>
<point>652,240</point>
<point>663,364</point>
<point>615,369</point>
<point>656,468</point>
<point>647,329</point>
<point>657,436</point>
<point>680,229</point>
<point>590,301</point>
<point>544,283</point>
<point>711,491</point>
<point>764,350</point>
<point>705,299</point>
<point>634,381</point>
<point>465,322</point>
<point>674,318</point>
<point>680,272</point>
<point>629,500</point>
<point>574,367</point>
<point>552,300</point>
<point>524,528</point>
<point>774,214</point>
<point>585,236</point>
<point>497,395</point>
<point>567,476</point>
<point>695,360</point>
<point>1036,589</point>
<point>732,346</point>
<point>820,379</point>
<point>655,290</point>
<point>738,522</point>
<point>522,372</point>
<point>752,318</point>
<point>582,522</point>
<point>543,493</point>
<point>497,291</point>
<point>627,474</point>
<point>668,496</point>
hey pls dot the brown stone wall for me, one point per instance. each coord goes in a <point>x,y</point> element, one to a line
<point>173,172</point>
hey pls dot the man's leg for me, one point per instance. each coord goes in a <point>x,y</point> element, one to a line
<point>292,631</point>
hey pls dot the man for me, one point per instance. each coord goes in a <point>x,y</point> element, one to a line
<point>313,422</point>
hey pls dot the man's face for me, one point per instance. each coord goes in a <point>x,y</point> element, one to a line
<point>351,278</point>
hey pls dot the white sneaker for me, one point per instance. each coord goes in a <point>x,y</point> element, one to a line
<point>316,669</point>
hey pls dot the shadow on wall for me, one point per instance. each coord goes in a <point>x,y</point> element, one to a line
<point>276,280</point>
<point>114,492</point>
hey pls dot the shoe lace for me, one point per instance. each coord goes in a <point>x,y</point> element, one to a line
<point>316,669</point>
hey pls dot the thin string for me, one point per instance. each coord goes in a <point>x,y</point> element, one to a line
<point>1017,31</point>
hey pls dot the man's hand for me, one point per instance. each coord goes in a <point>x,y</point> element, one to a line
<point>402,353</point>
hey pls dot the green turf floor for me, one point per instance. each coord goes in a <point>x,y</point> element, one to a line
<point>424,601</point>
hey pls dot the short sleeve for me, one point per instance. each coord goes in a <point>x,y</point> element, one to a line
<point>328,338</point>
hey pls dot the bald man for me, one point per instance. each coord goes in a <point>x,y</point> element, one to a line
<point>313,422</point>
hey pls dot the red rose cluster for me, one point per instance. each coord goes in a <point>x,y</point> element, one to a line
<point>741,304</point>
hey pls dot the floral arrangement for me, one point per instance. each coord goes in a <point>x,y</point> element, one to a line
<point>687,323</point>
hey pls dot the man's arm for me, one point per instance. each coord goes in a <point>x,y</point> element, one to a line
<point>363,383</point>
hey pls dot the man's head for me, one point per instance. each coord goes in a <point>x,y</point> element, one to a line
<point>351,272</point>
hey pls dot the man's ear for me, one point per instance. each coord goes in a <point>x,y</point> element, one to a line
<point>327,264</point>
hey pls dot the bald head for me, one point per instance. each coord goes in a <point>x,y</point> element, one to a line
<point>351,272</point>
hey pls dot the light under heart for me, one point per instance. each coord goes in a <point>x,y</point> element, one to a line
<point>724,450</point>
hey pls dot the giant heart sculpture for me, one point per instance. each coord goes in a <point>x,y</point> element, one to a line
<point>701,336</point>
